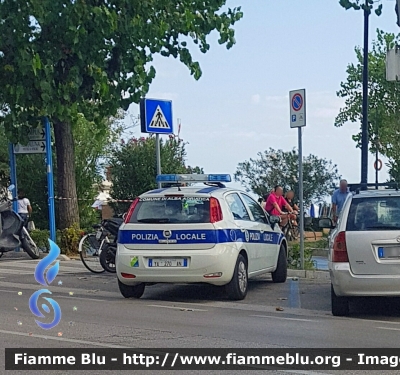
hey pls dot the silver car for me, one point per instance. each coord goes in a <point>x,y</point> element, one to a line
<point>364,248</point>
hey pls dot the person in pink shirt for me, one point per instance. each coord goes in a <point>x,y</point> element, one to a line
<point>276,203</point>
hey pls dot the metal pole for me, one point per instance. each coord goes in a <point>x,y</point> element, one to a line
<point>50,180</point>
<point>13,174</point>
<point>158,157</point>
<point>364,134</point>
<point>376,167</point>
<point>376,150</point>
<point>13,178</point>
<point>301,224</point>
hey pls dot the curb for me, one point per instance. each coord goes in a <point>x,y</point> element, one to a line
<point>309,274</point>
<point>60,257</point>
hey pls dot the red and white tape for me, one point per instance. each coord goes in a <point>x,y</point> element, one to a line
<point>89,199</point>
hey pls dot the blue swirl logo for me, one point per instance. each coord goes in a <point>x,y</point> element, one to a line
<point>45,278</point>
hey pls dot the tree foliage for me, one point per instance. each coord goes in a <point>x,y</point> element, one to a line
<point>360,5</point>
<point>278,167</point>
<point>383,101</point>
<point>61,58</point>
<point>92,143</point>
<point>133,165</point>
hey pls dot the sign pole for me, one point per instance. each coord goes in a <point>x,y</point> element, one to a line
<point>298,120</point>
<point>13,178</point>
<point>50,180</point>
<point>301,223</point>
<point>13,174</point>
<point>158,157</point>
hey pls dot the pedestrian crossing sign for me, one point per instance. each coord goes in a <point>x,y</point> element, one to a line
<point>156,116</point>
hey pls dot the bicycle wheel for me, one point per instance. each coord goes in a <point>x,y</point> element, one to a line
<point>107,258</point>
<point>89,251</point>
<point>295,232</point>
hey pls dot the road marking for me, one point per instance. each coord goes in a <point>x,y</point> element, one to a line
<point>63,339</point>
<point>281,317</point>
<point>31,266</point>
<point>76,341</point>
<point>294,296</point>
<point>303,372</point>
<point>176,308</point>
<point>389,328</point>
<point>374,321</point>
<point>59,289</point>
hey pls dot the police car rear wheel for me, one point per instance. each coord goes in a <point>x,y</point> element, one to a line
<point>280,274</point>
<point>237,287</point>
<point>131,291</point>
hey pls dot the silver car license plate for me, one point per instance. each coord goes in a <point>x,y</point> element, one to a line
<point>391,252</point>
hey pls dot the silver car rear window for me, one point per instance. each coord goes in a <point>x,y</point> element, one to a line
<point>173,209</point>
<point>374,213</point>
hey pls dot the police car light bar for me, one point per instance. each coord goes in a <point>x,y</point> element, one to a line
<point>171,178</point>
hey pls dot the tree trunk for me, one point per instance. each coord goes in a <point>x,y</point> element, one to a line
<point>66,180</point>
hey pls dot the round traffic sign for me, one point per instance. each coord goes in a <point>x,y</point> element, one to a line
<point>297,102</point>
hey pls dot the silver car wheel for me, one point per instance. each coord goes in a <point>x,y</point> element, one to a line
<point>242,277</point>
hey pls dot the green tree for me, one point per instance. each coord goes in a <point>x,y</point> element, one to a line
<point>133,166</point>
<point>360,5</point>
<point>61,58</point>
<point>383,101</point>
<point>278,167</point>
<point>92,143</point>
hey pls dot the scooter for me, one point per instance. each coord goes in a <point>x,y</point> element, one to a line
<point>13,233</point>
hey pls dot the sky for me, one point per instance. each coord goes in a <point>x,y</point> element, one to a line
<point>240,105</point>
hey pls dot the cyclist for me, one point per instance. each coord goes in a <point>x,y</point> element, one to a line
<point>276,203</point>
<point>289,196</point>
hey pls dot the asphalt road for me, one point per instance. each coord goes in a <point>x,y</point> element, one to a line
<point>186,316</point>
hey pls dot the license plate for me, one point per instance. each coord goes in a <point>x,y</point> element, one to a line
<point>389,252</point>
<point>98,235</point>
<point>164,262</point>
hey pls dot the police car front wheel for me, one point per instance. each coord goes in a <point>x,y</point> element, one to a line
<point>237,287</point>
<point>129,291</point>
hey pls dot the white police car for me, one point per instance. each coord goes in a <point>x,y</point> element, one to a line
<point>198,234</point>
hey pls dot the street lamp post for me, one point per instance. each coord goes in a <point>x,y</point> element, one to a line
<point>364,131</point>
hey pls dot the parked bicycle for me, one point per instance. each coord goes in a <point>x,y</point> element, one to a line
<point>93,244</point>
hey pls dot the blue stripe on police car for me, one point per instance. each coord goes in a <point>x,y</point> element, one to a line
<point>197,236</point>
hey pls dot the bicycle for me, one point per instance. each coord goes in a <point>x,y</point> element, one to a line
<point>291,231</point>
<point>92,245</point>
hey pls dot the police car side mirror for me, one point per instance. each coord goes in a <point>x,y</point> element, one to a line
<point>274,220</point>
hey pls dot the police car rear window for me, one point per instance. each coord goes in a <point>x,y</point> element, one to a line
<point>164,210</point>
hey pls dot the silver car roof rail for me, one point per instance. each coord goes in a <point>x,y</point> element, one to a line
<point>362,187</point>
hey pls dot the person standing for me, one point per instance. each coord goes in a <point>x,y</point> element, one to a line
<point>24,207</point>
<point>338,198</point>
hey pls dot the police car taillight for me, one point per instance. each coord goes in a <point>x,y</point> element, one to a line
<point>131,209</point>
<point>215,210</point>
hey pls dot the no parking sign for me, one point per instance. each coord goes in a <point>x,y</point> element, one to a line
<point>297,108</point>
